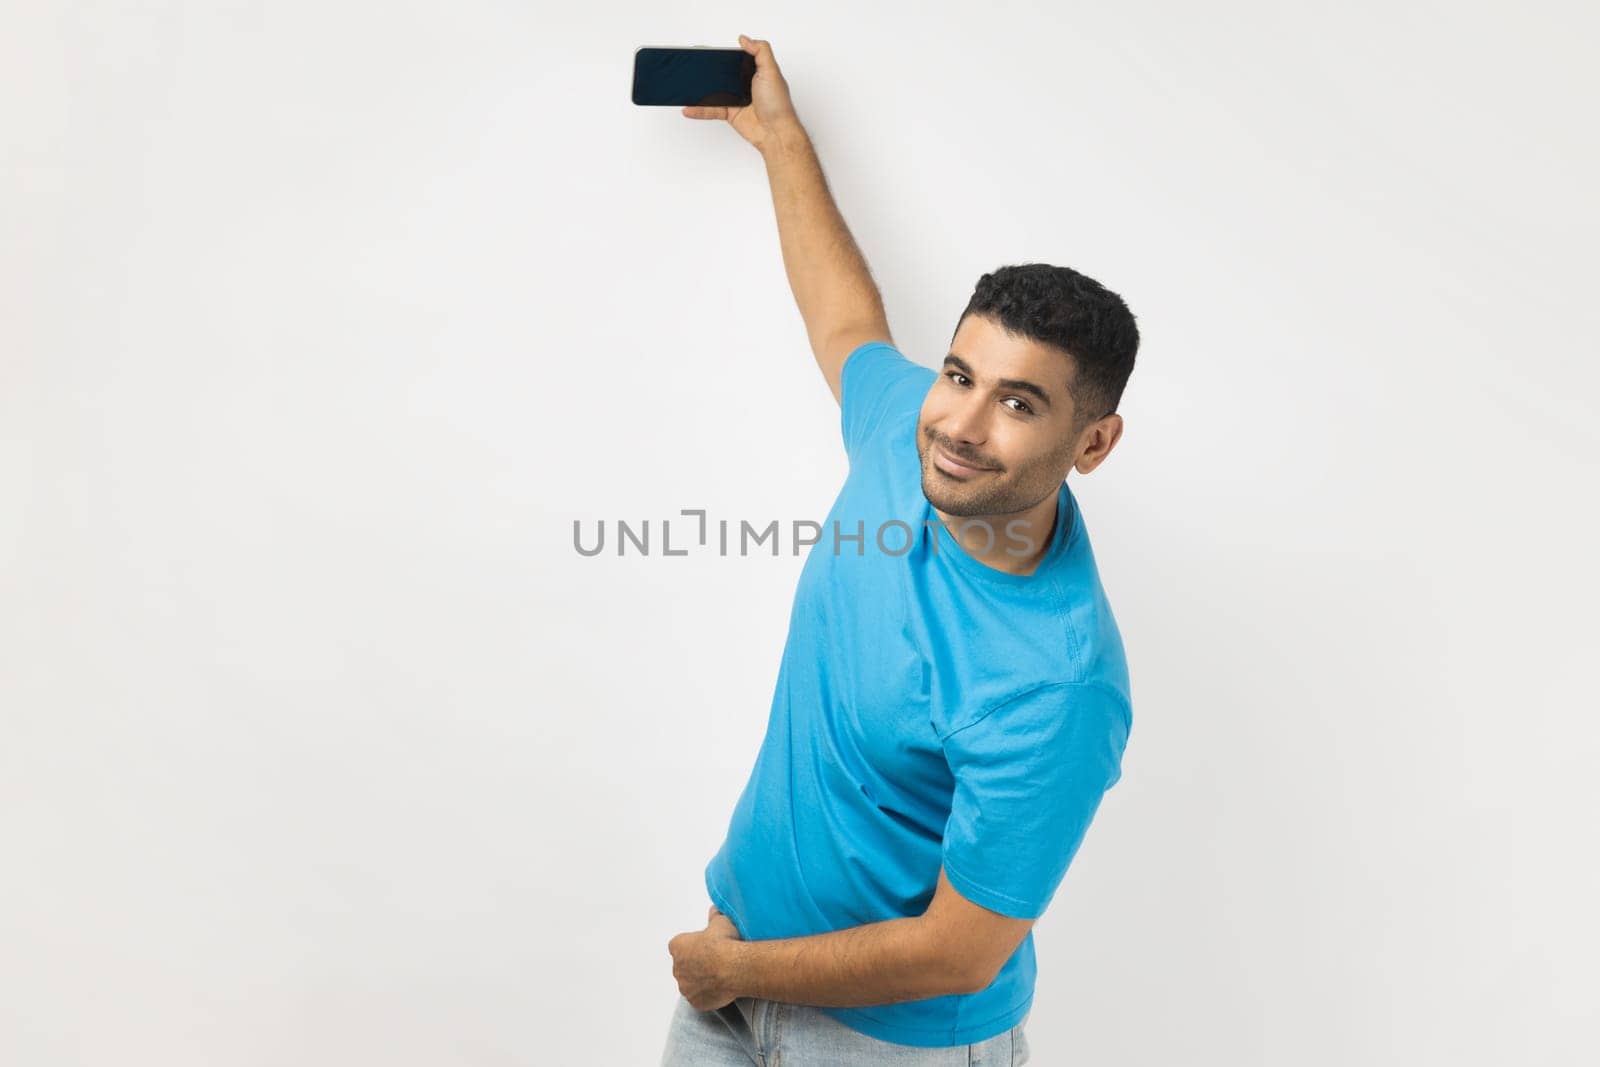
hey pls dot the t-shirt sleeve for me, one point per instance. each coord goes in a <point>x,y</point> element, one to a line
<point>1029,776</point>
<point>877,382</point>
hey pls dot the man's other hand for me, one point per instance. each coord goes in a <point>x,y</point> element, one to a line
<point>702,962</point>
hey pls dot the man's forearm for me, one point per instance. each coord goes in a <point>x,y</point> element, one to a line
<point>879,963</point>
<point>827,272</point>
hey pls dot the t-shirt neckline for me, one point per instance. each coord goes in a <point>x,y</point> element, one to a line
<point>949,548</point>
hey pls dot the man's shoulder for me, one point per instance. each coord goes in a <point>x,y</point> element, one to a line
<point>879,388</point>
<point>1099,656</point>
<point>1065,636</point>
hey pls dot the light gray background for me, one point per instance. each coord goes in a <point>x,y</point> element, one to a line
<point>322,323</point>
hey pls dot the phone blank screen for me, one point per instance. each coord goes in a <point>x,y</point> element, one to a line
<point>707,77</point>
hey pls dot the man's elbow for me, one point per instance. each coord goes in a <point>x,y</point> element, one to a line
<point>975,979</point>
<point>969,944</point>
<point>962,970</point>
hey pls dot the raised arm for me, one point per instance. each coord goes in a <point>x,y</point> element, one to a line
<point>838,300</point>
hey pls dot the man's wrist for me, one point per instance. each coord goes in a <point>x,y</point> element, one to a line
<point>735,967</point>
<point>784,135</point>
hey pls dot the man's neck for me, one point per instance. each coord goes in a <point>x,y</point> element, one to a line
<point>1012,543</point>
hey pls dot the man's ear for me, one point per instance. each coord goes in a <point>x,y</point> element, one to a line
<point>1098,439</point>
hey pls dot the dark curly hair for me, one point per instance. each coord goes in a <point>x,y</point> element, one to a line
<point>1059,307</point>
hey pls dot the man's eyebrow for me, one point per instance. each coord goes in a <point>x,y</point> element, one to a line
<point>953,360</point>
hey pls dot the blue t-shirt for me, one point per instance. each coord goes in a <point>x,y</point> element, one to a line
<point>929,710</point>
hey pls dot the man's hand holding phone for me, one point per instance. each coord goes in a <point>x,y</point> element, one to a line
<point>770,106</point>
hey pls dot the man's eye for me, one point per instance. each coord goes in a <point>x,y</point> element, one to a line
<point>1022,405</point>
<point>954,374</point>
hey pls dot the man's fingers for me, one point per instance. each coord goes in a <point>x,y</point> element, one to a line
<point>705,112</point>
<point>762,50</point>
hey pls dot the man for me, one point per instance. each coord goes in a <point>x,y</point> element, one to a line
<point>953,699</point>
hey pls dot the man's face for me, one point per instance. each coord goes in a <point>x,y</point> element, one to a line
<point>996,430</point>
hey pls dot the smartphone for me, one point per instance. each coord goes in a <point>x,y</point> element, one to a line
<point>698,76</point>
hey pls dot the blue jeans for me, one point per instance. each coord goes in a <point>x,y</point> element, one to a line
<point>755,1031</point>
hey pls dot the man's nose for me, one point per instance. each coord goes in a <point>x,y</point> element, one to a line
<point>969,421</point>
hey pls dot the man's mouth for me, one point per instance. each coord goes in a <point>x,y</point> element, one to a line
<point>957,468</point>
